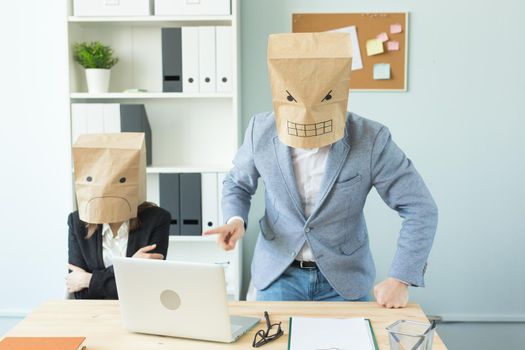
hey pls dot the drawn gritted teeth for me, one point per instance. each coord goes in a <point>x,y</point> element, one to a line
<point>309,130</point>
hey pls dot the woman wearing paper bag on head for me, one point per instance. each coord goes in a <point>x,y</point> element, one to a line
<point>113,218</point>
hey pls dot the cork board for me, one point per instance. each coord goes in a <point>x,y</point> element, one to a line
<point>368,26</point>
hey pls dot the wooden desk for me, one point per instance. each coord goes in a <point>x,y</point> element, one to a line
<point>99,322</point>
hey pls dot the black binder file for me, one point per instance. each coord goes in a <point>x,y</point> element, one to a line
<point>169,199</point>
<point>133,118</point>
<point>171,60</point>
<point>190,204</point>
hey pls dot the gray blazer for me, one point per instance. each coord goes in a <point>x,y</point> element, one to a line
<point>336,230</point>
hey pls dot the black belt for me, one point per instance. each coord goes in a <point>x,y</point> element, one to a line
<point>304,264</point>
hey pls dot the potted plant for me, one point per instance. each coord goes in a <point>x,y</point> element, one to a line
<point>97,59</point>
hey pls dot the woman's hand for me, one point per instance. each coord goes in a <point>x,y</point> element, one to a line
<point>77,279</point>
<point>142,253</point>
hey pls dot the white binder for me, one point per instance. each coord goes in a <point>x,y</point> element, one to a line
<point>210,201</point>
<point>190,59</point>
<point>79,121</point>
<point>224,44</point>
<point>111,113</point>
<point>95,115</point>
<point>207,59</point>
<point>220,179</point>
<point>94,118</point>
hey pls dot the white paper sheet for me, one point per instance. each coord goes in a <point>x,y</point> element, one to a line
<point>357,61</point>
<point>330,333</point>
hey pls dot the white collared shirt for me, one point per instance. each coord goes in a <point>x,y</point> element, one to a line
<point>114,246</point>
<point>309,167</point>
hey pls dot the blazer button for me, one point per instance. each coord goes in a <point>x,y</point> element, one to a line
<point>307,229</point>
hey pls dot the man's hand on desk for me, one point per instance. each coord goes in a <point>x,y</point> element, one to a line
<point>391,293</point>
<point>77,279</point>
<point>229,234</point>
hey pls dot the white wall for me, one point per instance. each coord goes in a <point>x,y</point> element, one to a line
<point>462,122</point>
<point>35,180</point>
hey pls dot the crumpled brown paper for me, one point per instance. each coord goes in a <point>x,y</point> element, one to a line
<point>310,79</point>
<point>110,176</point>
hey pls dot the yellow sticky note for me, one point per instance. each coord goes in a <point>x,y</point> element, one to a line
<point>374,47</point>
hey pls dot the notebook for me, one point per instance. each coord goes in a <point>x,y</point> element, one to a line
<point>331,333</point>
<point>42,343</point>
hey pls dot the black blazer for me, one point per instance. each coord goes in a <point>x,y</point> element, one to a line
<point>87,253</point>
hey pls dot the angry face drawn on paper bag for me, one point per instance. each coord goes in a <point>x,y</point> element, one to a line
<point>310,78</point>
<point>110,176</point>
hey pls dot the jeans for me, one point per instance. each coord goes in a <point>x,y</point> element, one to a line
<point>296,284</point>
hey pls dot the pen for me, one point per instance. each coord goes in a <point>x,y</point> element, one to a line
<point>267,318</point>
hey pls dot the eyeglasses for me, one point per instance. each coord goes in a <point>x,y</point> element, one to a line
<point>273,331</point>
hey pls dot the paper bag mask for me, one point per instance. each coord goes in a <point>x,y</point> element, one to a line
<point>310,77</point>
<point>110,176</point>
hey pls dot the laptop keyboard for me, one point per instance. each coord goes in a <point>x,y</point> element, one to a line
<point>235,327</point>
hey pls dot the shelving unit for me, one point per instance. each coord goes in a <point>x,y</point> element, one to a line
<point>194,169</point>
<point>191,132</point>
<point>145,96</point>
<point>155,20</point>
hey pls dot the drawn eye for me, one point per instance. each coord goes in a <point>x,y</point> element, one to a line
<point>122,180</point>
<point>290,97</point>
<point>89,179</point>
<point>328,96</point>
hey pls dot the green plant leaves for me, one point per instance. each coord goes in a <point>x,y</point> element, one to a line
<point>94,55</point>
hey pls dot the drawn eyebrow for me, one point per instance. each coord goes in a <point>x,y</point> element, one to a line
<point>290,95</point>
<point>328,94</point>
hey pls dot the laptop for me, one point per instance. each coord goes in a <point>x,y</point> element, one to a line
<point>179,299</point>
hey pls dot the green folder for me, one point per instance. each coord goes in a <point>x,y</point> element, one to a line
<point>366,319</point>
<point>373,334</point>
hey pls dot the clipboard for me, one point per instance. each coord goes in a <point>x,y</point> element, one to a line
<point>372,333</point>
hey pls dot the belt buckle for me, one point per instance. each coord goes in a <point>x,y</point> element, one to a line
<point>304,267</point>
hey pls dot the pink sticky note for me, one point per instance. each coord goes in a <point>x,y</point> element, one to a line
<point>383,37</point>
<point>396,28</point>
<point>392,46</point>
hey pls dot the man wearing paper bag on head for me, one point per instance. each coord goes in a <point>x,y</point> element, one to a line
<point>318,163</point>
<point>113,217</point>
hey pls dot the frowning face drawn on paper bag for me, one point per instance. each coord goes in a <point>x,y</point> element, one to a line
<point>110,176</point>
<point>310,78</point>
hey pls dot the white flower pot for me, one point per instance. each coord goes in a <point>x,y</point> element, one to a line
<point>97,80</point>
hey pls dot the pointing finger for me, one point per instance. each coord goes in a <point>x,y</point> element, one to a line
<point>217,230</point>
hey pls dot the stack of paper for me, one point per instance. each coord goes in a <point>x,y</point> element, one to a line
<point>330,333</point>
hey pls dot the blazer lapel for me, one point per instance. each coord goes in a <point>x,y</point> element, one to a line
<point>284,162</point>
<point>98,242</point>
<point>334,164</point>
<point>132,242</point>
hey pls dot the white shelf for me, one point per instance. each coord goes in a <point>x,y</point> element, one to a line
<point>145,95</point>
<point>153,20</point>
<point>212,238</point>
<point>188,169</point>
<point>184,125</point>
